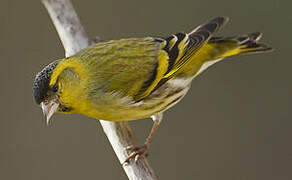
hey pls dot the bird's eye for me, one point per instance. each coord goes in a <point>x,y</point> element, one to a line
<point>55,88</point>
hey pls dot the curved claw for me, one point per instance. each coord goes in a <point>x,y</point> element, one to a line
<point>137,153</point>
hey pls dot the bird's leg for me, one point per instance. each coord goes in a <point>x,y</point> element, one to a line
<point>142,150</point>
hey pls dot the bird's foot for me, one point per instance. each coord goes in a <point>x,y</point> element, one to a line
<point>137,152</point>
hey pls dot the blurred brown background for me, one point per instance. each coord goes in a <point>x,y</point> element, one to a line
<point>235,123</point>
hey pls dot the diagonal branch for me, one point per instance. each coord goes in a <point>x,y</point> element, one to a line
<point>74,38</point>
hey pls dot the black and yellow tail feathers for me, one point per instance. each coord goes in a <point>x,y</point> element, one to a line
<point>251,44</point>
<point>240,45</point>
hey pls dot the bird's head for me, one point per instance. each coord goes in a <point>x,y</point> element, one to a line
<point>59,88</point>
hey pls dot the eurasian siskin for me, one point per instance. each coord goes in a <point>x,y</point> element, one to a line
<point>129,79</point>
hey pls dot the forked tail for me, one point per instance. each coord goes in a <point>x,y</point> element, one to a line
<point>240,45</point>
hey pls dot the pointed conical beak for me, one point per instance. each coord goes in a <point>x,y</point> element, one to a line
<point>49,108</point>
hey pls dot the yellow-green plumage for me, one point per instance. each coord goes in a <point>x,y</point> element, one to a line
<point>136,78</point>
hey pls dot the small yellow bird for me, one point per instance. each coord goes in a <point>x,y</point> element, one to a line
<point>135,78</point>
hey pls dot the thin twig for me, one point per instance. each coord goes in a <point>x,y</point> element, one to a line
<point>74,39</point>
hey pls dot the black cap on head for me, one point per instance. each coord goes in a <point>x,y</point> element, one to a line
<point>41,82</point>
